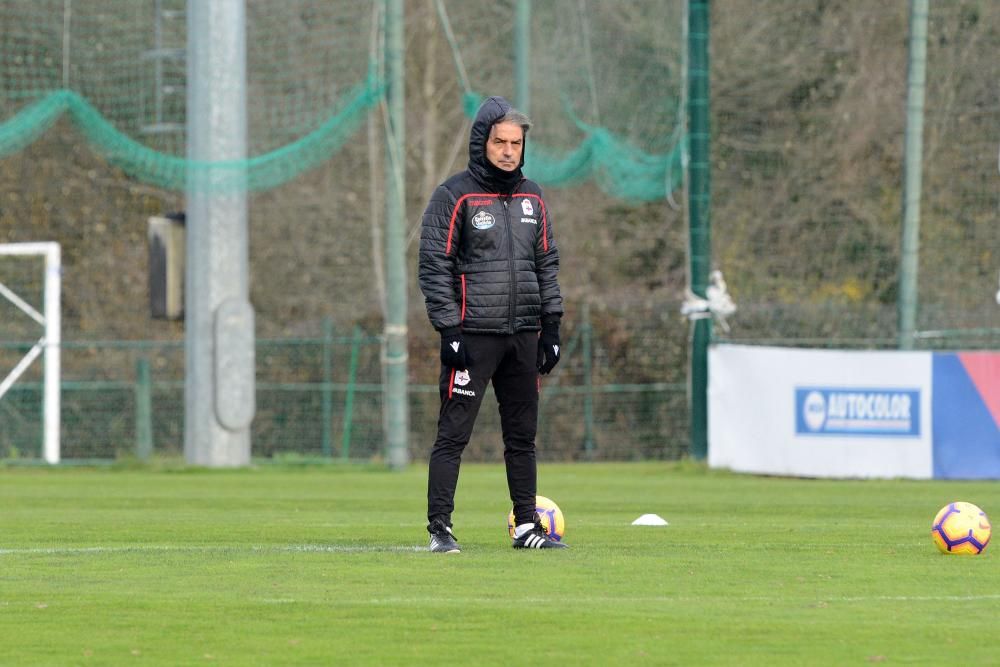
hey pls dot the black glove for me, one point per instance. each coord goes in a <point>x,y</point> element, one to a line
<point>453,349</point>
<point>548,346</point>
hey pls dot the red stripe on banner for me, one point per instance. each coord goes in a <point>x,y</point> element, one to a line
<point>984,371</point>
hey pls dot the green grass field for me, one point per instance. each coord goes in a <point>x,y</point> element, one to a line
<point>326,565</point>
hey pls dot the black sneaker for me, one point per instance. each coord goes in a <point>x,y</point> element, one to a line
<point>442,539</point>
<point>537,538</point>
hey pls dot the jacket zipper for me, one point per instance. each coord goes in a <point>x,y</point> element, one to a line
<point>510,260</point>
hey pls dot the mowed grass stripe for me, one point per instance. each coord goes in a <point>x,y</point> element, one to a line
<point>327,566</point>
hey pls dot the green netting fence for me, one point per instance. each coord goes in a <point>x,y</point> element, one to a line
<point>314,77</point>
<point>807,120</point>
<point>104,85</point>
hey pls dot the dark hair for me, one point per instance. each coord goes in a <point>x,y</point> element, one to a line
<point>518,118</point>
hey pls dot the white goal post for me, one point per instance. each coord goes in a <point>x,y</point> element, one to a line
<point>48,345</point>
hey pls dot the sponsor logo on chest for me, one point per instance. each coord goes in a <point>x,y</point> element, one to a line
<point>483,220</point>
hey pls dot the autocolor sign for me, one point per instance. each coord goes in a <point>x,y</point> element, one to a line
<point>820,413</point>
<point>884,412</point>
<point>854,413</point>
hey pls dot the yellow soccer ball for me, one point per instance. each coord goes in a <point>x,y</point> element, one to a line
<point>551,516</point>
<point>961,528</point>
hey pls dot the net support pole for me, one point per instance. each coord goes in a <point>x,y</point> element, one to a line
<point>912,174</point>
<point>219,401</point>
<point>699,200</point>
<point>394,362</point>
<point>53,352</point>
<point>50,345</point>
<point>326,443</point>
<point>522,56</point>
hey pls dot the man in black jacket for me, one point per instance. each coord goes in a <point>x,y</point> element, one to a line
<point>488,267</point>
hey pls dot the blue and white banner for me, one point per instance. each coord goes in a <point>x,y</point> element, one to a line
<point>819,413</point>
<point>842,413</point>
<point>878,411</point>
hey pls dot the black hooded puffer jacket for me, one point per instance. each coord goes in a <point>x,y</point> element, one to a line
<point>488,261</point>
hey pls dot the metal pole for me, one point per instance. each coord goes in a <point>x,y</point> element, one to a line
<point>588,383</point>
<point>53,352</point>
<point>352,383</point>
<point>143,410</point>
<point>219,399</point>
<point>912,174</point>
<point>66,41</point>
<point>699,205</point>
<point>522,56</point>
<point>327,392</point>
<point>397,409</point>
<point>157,62</point>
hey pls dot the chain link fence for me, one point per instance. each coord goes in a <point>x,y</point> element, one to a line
<point>320,398</point>
<point>808,113</point>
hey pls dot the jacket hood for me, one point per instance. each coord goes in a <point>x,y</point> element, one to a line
<point>485,172</point>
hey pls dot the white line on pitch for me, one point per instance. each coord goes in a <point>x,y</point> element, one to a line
<point>564,599</point>
<point>289,548</point>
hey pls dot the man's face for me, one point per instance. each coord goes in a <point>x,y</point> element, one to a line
<point>504,146</point>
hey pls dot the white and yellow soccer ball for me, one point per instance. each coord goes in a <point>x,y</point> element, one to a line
<point>551,516</point>
<point>961,528</point>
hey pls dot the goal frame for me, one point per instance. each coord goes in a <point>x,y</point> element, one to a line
<point>49,345</point>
